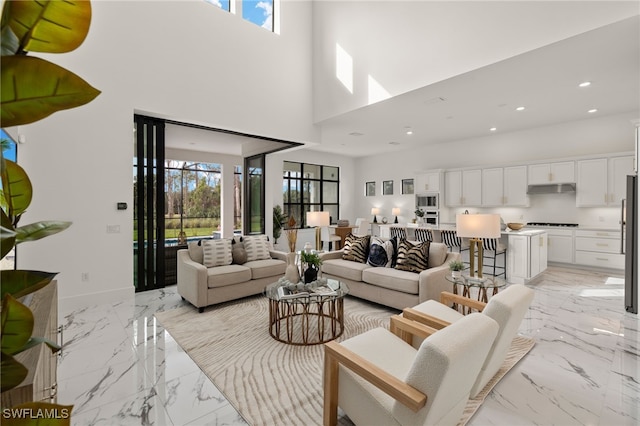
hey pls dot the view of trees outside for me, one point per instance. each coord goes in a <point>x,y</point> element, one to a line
<point>193,199</point>
<point>310,187</point>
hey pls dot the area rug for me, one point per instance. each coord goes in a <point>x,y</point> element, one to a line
<point>272,383</point>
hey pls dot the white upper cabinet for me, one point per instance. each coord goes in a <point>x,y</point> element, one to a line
<point>463,188</point>
<point>562,172</point>
<point>619,168</point>
<point>515,186</point>
<point>428,182</point>
<point>492,187</point>
<point>602,181</point>
<point>591,186</point>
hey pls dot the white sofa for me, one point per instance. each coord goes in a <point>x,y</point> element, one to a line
<point>203,286</point>
<point>389,286</point>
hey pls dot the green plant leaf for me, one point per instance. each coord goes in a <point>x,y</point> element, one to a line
<point>17,325</point>
<point>19,283</point>
<point>38,230</point>
<point>11,416</point>
<point>48,26</point>
<point>7,234</point>
<point>33,89</point>
<point>12,373</point>
<point>35,341</point>
<point>17,189</point>
<point>10,42</point>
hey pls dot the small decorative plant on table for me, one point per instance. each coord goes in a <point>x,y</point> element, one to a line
<point>420,214</point>
<point>313,262</point>
<point>456,267</point>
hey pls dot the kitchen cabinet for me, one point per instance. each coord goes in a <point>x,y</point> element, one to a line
<point>428,181</point>
<point>515,186</point>
<point>560,172</point>
<point>526,255</point>
<point>599,248</point>
<point>560,245</point>
<point>463,188</point>
<point>591,185</point>
<point>492,187</point>
<point>602,181</point>
<point>619,168</point>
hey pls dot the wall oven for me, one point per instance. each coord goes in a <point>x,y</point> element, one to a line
<point>430,218</point>
<point>428,201</point>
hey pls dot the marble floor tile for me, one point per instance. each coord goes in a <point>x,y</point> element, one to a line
<point>120,367</point>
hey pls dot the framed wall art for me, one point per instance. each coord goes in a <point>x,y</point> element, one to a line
<point>387,187</point>
<point>370,189</point>
<point>407,186</point>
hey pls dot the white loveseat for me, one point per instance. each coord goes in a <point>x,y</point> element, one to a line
<point>231,278</point>
<point>389,286</point>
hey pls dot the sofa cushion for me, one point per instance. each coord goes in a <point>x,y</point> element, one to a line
<point>413,257</point>
<point>257,247</point>
<point>344,268</point>
<point>394,279</point>
<point>221,276</point>
<point>356,249</point>
<point>217,252</point>
<point>196,252</point>
<point>266,268</point>
<point>437,254</point>
<point>381,252</point>
<point>239,255</point>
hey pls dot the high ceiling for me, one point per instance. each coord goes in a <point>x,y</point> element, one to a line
<point>545,81</point>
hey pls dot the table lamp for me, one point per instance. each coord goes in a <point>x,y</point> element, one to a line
<point>375,212</point>
<point>395,211</point>
<point>475,227</point>
<point>318,219</point>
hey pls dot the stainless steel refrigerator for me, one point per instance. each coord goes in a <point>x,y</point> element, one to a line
<point>630,243</point>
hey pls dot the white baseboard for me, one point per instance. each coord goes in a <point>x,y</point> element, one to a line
<point>69,304</point>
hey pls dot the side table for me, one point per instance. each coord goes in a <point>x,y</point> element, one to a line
<point>484,284</point>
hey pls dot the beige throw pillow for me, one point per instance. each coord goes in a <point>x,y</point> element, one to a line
<point>257,247</point>
<point>217,253</point>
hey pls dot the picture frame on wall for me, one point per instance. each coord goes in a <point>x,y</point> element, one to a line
<point>387,187</point>
<point>407,186</point>
<point>370,189</point>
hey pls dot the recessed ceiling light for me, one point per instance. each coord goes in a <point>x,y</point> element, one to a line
<point>520,108</point>
<point>591,111</point>
<point>493,129</point>
<point>584,84</point>
<point>408,130</point>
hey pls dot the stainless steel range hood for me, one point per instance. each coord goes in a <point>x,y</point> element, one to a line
<point>551,188</point>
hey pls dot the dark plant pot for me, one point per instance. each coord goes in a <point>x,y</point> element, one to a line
<point>311,274</point>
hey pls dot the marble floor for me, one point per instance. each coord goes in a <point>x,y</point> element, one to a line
<point>119,367</point>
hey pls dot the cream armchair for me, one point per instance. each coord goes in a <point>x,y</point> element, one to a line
<point>379,379</point>
<point>507,308</point>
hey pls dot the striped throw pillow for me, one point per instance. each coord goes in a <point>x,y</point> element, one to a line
<point>413,257</point>
<point>216,253</point>
<point>257,247</point>
<point>356,249</point>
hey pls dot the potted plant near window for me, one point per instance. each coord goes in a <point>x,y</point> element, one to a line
<point>456,267</point>
<point>279,219</point>
<point>312,262</point>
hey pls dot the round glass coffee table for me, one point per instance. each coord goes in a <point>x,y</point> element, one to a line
<point>484,284</point>
<point>306,314</point>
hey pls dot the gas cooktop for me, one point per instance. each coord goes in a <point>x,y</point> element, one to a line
<point>561,225</point>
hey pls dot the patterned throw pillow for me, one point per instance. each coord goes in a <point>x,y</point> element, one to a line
<point>257,247</point>
<point>413,257</point>
<point>216,252</point>
<point>356,249</point>
<point>381,252</point>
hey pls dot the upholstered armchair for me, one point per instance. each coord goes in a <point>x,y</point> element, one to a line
<point>507,308</point>
<point>377,378</point>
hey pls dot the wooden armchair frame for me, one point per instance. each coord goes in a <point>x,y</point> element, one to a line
<point>446,298</point>
<point>336,354</point>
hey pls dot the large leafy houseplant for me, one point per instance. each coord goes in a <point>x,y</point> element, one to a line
<point>32,89</point>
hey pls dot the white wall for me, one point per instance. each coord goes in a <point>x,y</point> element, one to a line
<point>405,45</point>
<point>188,61</point>
<point>595,136</point>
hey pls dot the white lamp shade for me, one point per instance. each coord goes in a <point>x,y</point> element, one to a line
<point>375,211</point>
<point>478,225</point>
<point>395,211</point>
<point>318,219</point>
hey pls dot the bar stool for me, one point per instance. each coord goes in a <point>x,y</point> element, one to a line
<point>451,240</point>
<point>493,247</point>
<point>424,234</point>
<point>398,231</point>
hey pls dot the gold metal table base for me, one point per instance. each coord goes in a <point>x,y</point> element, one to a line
<point>306,321</point>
